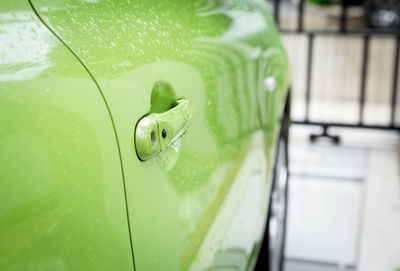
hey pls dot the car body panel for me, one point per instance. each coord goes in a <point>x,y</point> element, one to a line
<point>202,205</point>
<point>61,184</point>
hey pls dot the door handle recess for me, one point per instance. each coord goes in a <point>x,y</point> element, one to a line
<point>157,131</point>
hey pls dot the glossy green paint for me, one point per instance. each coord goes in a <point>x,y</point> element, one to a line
<point>198,205</point>
<point>61,187</point>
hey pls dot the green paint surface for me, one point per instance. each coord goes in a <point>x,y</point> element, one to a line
<point>61,186</point>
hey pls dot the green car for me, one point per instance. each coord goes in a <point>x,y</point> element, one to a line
<point>142,135</point>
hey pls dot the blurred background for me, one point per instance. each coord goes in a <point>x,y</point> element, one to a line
<point>344,194</point>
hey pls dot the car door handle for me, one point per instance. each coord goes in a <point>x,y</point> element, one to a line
<point>157,131</point>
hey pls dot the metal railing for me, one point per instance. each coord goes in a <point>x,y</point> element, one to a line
<point>342,29</point>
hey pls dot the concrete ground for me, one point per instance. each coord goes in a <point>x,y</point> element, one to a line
<point>344,202</point>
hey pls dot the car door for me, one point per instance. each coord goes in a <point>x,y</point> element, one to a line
<point>198,200</point>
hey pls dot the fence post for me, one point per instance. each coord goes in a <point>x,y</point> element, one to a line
<point>309,72</point>
<point>364,70</point>
<point>395,81</point>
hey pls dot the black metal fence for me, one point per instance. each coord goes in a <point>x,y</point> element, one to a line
<point>342,29</point>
